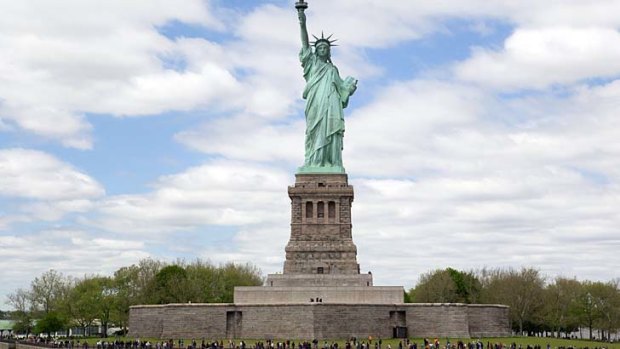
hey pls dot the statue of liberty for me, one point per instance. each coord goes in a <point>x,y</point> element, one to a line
<point>326,96</point>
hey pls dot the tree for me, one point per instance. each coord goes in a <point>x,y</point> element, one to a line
<point>231,275</point>
<point>84,301</point>
<point>48,290</point>
<point>467,285</point>
<point>93,298</point>
<point>521,290</point>
<point>560,301</point>
<point>106,305</point>
<point>586,307</point>
<point>446,286</point>
<point>203,281</point>
<point>21,300</point>
<point>126,295</point>
<point>434,287</point>
<point>605,301</point>
<point>49,323</point>
<point>407,297</point>
<point>23,324</point>
<point>170,285</point>
<point>131,287</point>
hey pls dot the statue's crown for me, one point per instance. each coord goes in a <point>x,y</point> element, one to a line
<point>323,40</point>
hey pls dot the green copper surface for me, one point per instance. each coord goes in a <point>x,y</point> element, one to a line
<point>326,95</point>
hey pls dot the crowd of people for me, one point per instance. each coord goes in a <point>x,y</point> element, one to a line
<point>352,343</point>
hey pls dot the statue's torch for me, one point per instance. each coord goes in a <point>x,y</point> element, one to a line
<point>301,5</point>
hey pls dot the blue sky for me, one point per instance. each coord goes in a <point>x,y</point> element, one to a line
<point>482,134</point>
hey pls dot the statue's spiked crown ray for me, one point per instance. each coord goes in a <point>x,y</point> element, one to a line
<point>323,40</point>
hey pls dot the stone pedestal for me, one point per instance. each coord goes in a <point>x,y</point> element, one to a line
<point>321,240</point>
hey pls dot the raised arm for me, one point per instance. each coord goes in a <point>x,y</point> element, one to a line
<point>305,42</point>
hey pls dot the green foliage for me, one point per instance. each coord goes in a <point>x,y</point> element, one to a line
<point>91,298</point>
<point>23,323</point>
<point>407,297</point>
<point>467,285</point>
<point>522,290</point>
<point>48,290</point>
<point>132,286</point>
<point>231,275</point>
<point>170,285</point>
<point>201,282</point>
<point>560,302</point>
<point>434,287</point>
<point>598,306</point>
<point>83,301</point>
<point>446,286</point>
<point>49,323</point>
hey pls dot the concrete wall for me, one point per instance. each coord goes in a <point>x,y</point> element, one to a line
<point>316,320</point>
<point>288,295</point>
<point>4,345</point>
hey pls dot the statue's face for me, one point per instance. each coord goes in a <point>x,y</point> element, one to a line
<point>322,51</point>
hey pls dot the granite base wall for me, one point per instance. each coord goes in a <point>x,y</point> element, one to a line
<point>338,295</point>
<point>316,320</point>
<point>485,322</point>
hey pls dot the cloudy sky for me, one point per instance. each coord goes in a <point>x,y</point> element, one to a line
<point>483,133</point>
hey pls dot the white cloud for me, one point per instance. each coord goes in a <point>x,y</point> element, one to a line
<point>538,58</point>
<point>222,193</point>
<point>7,220</point>
<point>246,137</point>
<point>64,60</point>
<point>70,58</point>
<point>404,123</point>
<point>37,175</point>
<point>55,210</point>
<point>542,219</point>
<point>41,187</point>
<point>261,245</point>
<point>381,23</point>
